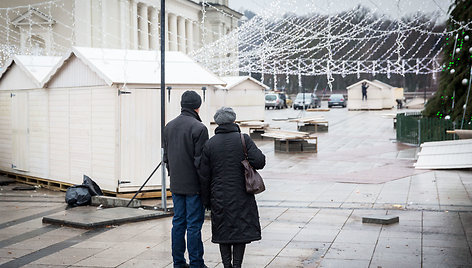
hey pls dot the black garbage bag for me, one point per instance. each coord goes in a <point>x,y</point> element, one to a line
<point>78,195</point>
<point>93,187</point>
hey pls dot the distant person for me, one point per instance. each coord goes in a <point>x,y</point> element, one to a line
<point>184,138</point>
<point>234,213</point>
<point>364,90</point>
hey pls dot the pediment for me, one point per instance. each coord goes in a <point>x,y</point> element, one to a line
<point>33,17</point>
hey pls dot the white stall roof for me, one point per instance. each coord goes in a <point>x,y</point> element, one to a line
<point>232,81</point>
<point>120,66</point>
<point>445,155</point>
<point>37,67</point>
<point>368,82</point>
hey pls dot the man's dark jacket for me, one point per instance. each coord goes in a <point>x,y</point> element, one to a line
<point>234,213</point>
<point>184,138</point>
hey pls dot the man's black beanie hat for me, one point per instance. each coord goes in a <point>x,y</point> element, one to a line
<point>190,99</point>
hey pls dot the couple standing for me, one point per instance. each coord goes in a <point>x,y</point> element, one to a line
<point>207,173</point>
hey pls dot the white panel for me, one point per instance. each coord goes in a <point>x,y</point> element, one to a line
<point>16,78</point>
<point>445,155</point>
<point>59,162</point>
<point>103,129</point>
<point>80,133</point>
<point>19,119</point>
<point>5,131</point>
<point>74,73</point>
<point>140,136</point>
<point>38,133</point>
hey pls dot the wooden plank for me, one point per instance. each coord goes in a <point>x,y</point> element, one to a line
<point>144,195</point>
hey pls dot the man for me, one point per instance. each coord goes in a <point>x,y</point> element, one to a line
<point>364,90</point>
<point>184,138</point>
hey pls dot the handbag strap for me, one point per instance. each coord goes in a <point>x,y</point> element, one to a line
<point>244,144</point>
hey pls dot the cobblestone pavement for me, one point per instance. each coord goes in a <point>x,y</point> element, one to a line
<point>311,212</point>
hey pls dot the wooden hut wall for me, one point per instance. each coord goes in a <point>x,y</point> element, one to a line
<point>247,100</point>
<point>374,97</point>
<point>23,124</point>
<point>84,124</point>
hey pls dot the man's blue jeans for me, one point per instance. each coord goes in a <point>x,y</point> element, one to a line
<point>189,214</point>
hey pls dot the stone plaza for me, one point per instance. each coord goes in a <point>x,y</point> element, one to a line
<point>311,212</point>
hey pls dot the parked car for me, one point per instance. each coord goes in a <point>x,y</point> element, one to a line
<point>306,100</point>
<point>273,100</point>
<point>336,100</point>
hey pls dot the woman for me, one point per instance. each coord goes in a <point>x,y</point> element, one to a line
<point>234,214</point>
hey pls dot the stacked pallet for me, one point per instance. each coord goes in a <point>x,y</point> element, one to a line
<point>311,124</point>
<point>292,141</point>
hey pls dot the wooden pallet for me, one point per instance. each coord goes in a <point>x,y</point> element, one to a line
<point>63,186</point>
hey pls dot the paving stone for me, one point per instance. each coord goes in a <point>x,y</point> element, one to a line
<point>381,219</point>
<point>96,218</point>
<point>283,261</point>
<point>350,251</point>
<point>337,263</point>
<point>447,256</point>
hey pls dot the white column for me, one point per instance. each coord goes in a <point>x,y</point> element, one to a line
<point>181,33</point>
<point>83,22</point>
<point>173,32</point>
<point>189,35</point>
<point>143,26</point>
<point>166,30</point>
<point>104,18</point>
<point>124,28</point>
<point>197,38</point>
<point>154,29</point>
<point>134,24</point>
<point>97,25</point>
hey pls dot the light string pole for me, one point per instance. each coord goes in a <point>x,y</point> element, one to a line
<point>163,109</point>
<point>466,100</point>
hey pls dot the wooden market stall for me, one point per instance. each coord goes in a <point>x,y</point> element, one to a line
<point>378,96</point>
<point>242,93</point>
<point>23,114</point>
<point>103,115</point>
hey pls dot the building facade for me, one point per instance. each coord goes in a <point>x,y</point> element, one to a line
<point>42,27</point>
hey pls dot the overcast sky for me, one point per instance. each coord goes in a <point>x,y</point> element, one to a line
<point>393,8</point>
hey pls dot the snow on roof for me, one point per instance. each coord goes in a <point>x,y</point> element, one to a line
<point>119,66</point>
<point>232,81</point>
<point>36,67</point>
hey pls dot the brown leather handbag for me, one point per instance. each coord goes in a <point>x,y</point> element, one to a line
<point>254,182</point>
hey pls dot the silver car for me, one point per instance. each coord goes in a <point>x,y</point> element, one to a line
<point>273,100</point>
<point>306,100</point>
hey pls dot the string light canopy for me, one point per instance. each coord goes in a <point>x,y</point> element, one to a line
<point>355,42</point>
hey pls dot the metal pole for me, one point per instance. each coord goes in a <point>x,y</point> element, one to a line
<point>163,97</point>
<point>467,99</point>
<point>142,186</point>
<point>419,132</point>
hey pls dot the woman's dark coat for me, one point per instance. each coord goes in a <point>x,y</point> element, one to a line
<point>234,214</point>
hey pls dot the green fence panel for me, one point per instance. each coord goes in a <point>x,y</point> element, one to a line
<point>414,129</point>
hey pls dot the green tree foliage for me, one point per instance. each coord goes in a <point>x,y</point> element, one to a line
<point>451,94</point>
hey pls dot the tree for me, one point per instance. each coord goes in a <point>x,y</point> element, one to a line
<point>451,95</point>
